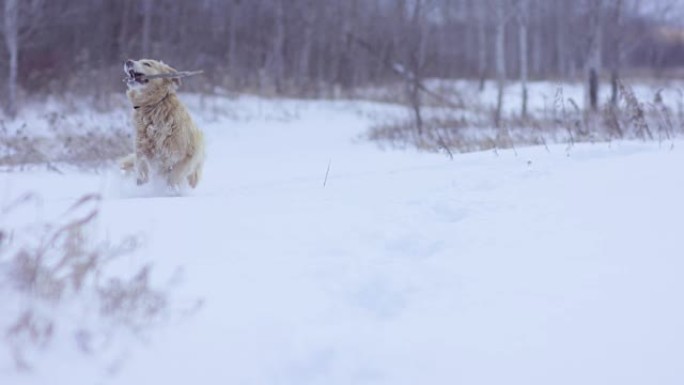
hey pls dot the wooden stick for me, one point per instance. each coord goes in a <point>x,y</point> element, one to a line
<point>170,75</point>
<point>181,74</point>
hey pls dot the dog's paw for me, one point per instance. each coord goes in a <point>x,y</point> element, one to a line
<point>193,179</point>
<point>142,179</point>
<point>143,172</point>
<point>127,164</point>
<point>174,190</point>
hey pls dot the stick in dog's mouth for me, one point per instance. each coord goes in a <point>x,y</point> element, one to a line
<point>136,77</point>
<point>142,78</point>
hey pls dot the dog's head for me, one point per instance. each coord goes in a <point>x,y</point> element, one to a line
<point>143,91</point>
<point>136,70</point>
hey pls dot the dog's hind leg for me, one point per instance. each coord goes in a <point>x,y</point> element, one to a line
<point>198,159</point>
<point>180,170</point>
<point>194,178</point>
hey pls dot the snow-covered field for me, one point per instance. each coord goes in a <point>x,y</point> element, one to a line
<point>518,267</point>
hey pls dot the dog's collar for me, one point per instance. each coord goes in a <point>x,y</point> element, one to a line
<point>155,104</point>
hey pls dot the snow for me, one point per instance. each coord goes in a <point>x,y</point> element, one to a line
<point>518,267</point>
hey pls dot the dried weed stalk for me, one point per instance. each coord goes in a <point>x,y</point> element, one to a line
<point>58,283</point>
<point>565,121</point>
<point>636,113</point>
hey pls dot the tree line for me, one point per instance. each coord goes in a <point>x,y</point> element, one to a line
<point>309,47</point>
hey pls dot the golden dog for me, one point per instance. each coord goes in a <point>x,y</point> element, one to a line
<point>167,142</point>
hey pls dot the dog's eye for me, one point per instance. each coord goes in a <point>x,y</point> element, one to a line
<point>147,64</point>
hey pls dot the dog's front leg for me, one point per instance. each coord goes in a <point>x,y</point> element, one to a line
<point>143,171</point>
<point>142,166</point>
<point>143,152</point>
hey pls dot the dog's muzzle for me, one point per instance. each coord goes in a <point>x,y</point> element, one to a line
<point>133,76</point>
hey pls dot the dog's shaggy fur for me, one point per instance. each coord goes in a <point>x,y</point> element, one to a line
<point>167,142</point>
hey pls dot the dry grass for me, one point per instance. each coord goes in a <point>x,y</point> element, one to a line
<point>81,146</point>
<point>473,128</point>
<point>75,130</point>
<point>58,283</point>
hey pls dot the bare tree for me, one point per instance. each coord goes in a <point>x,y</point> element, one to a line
<point>561,33</point>
<point>536,17</point>
<point>300,43</point>
<point>147,27</point>
<point>416,60</point>
<point>523,22</point>
<point>593,61</point>
<point>617,51</point>
<point>275,64</point>
<point>20,21</point>
<point>309,15</point>
<point>500,50</point>
<point>122,40</point>
<point>233,49</point>
<point>11,30</point>
<point>482,17</point>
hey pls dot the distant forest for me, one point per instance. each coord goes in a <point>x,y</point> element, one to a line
<point>306,46</point>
